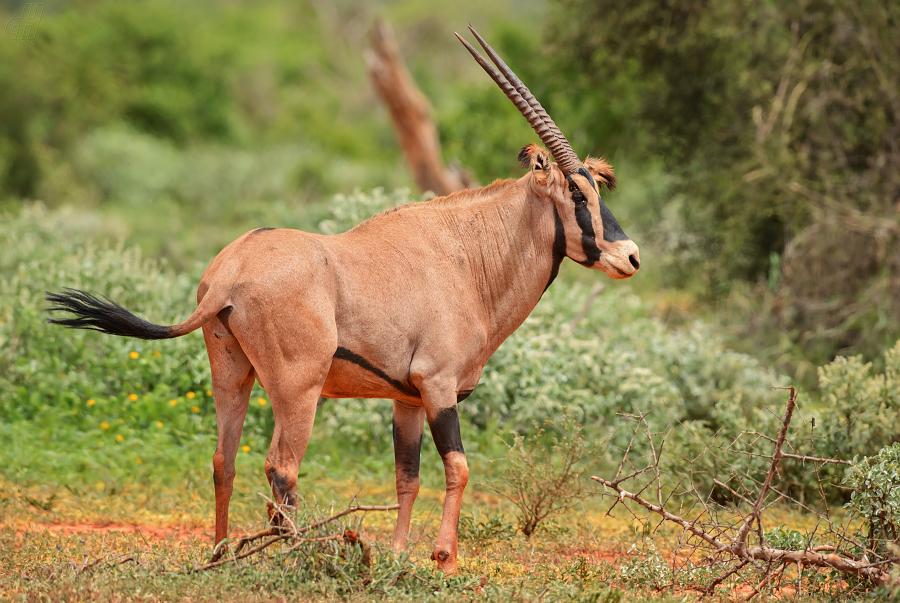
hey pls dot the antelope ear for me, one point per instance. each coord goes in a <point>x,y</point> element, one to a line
<point>538,160</point>
<point>601,171</point>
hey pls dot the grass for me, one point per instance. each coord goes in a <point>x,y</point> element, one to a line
<point>586,556</point>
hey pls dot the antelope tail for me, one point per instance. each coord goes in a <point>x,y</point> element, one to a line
<point>106,316</point>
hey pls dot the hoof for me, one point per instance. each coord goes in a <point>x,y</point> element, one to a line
<point>445,561</point>
<point>440,556</point>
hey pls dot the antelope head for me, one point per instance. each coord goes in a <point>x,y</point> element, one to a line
<point>591,234</point>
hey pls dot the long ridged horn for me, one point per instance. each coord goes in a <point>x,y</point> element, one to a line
<point>531,109</point>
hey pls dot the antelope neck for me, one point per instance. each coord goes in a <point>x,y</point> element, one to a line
<point>516,256</point>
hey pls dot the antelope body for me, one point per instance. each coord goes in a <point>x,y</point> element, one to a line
<point>409,305</point>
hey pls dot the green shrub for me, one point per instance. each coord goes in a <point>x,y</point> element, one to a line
<point>876,498</point>
<point>863,407</point>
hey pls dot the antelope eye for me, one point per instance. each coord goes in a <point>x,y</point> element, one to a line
<point>578,197</point>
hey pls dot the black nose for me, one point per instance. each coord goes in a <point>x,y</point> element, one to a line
<point>634,261</point>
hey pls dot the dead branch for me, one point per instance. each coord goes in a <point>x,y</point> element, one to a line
<point>293,533</point>
<point>411,115</point>
<point>728,540</point>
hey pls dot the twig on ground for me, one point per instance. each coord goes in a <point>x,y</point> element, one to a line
<point>293,534</point>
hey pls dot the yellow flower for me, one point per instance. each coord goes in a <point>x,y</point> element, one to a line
<point>134,355</point>
<point>195,408</point>
<point>159,424</point>
<point>74,411</point>
<point>119,437</point>
<point>104,425</point>
<point>91,402</point>
<point>138,461</point>
<point>191,395</point>
<point>209,392</point>
<point>245,448</point>
<point>63,375</point>
<point>156,353</point>
<point>121,420</point>
<point>262,401</point>
<point>133,397</point>
<point>173,402</point>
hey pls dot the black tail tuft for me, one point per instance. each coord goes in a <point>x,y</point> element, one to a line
<point>102,315</point>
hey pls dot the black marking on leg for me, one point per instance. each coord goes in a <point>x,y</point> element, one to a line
<point>278,481</point>
<point>445,432</point>
<point>345,354</point>
<point>406,453</point>
<point>559,247</point>
<point>463,394</point>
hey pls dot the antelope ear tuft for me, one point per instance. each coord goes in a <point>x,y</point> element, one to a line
<point>601,171</point>
<point>534,157</point>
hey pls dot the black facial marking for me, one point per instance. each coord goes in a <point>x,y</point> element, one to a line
<point>445,432</point>
<point>583,218</point>
<point>612,232</point>
<point>406,453</point>
<point>345,354</point>
<point>583,172</point>
<point>559,247</point>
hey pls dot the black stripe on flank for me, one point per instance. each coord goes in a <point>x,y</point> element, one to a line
<point>259,230</point>
<point>559,247</point>
<point>345,354</point>
<point>104,315</point>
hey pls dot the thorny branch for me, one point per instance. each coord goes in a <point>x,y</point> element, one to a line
<point>724,539</point>
<point>294,534</point>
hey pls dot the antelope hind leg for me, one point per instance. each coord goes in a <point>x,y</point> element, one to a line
<point>232,380</point>
<point>409,424</point>
<point>294,405</point>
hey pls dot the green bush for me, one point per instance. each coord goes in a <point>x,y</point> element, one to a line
<point>777,123</point>
<point>863,407</point>
<point>876,498</point>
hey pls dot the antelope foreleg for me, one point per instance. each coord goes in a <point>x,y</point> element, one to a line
<point>444,424</point>
<point>409,424</point>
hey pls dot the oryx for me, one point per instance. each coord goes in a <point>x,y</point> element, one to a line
<point>409,305</point>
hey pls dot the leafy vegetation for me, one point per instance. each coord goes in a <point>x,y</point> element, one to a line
<point>777,123</point>
<point>756,146</point>
<point>876,497</point>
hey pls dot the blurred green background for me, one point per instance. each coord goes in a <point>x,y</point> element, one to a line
<point>757,144</point>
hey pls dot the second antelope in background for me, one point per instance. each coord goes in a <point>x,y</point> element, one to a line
<point>409,305</point>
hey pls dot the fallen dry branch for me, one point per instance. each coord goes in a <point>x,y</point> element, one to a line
<point>293,534</point>
<point>735,538</point>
